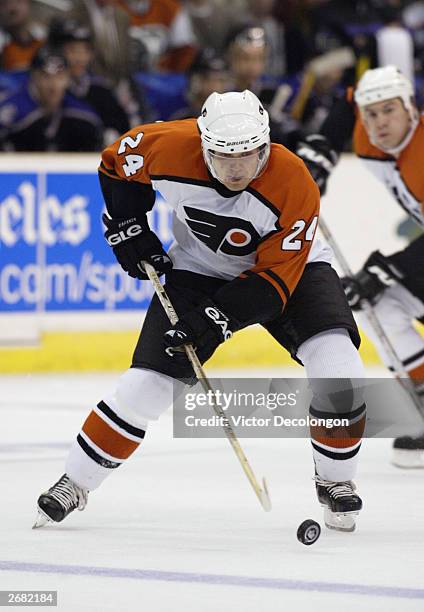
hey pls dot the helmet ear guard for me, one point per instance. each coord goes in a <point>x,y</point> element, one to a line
<point>234,122</point>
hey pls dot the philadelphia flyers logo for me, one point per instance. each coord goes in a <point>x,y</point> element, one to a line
<point>230,235</point>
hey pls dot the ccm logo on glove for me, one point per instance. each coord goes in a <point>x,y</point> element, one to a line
<point>128,232</point>
<point>220,319</point>
<point>205,327</point>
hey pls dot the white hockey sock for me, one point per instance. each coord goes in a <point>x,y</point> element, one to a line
<point>331,355</point>
<point>396,311</point>
<point>116,427</point>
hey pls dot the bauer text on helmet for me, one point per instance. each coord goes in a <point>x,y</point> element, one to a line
<point>234,129</point>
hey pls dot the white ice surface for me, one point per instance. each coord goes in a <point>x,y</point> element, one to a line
<point>178,528</point>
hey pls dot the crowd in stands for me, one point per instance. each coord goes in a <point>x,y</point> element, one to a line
<point>74,74</point>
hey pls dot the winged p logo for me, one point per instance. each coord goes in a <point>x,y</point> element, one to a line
<point>229,235</point>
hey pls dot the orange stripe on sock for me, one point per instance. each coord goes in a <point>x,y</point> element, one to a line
<point>417,374</point>
<point>339,437</point>
<point>106,438</point>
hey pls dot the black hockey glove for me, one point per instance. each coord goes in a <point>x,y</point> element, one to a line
<point>319,157</point>
<point>377,274</point>
<point>133,242</point>
<point>205,327</point>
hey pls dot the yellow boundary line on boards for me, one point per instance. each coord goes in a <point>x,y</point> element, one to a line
<point>109,351</point>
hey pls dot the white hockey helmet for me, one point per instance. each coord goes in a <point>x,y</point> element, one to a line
<point>234,122</point>
<point>385,83</point>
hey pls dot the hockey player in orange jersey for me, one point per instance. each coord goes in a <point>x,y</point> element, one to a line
<point>245,214</point>
<point>388,135</point>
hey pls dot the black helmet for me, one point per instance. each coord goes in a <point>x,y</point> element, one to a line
<point>247,35</point>
<point>48,59</point>
<point>205,61</point>
<point>68,30</point>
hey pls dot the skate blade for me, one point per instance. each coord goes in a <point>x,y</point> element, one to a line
<point>41,520</point>
<point>339,521</point>
<point>408,459</point>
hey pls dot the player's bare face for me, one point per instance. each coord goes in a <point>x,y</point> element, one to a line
<point>387,123</point>
<point>235,170</point>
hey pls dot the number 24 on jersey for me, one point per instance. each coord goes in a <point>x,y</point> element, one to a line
<point>292,242</point>
<point>132,162</point>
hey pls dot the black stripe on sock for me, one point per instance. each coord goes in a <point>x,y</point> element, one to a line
<point>337,456</point>
<point>134,431</point>
<point>95,456</point>
<point>320,414</point>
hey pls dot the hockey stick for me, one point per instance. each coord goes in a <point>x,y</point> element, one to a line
<point>400,373</point>
<point>261,493</point>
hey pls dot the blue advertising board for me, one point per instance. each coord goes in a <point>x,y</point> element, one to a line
<point>53,256</point>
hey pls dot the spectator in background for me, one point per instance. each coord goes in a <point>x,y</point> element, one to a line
<point>117,56</point>
<point>247,54</point>
<point>41,116</point>
<point>261,13</point>
<point>207,74</point>
<point>74,40</point>
<point>20,36</point>
<point>109,24</point>
<point>164,28</point>
<point>247,59</point>
<point>212,21</point>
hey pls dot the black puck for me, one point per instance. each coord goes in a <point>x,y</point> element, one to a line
<point>308,532</point>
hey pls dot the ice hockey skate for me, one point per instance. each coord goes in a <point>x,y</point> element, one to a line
<point>60,500</point>
<point>408,452</point>
<point>340,502</point>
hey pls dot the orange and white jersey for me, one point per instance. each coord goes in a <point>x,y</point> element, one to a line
<point>267,229</point>
<point>404,176</point>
